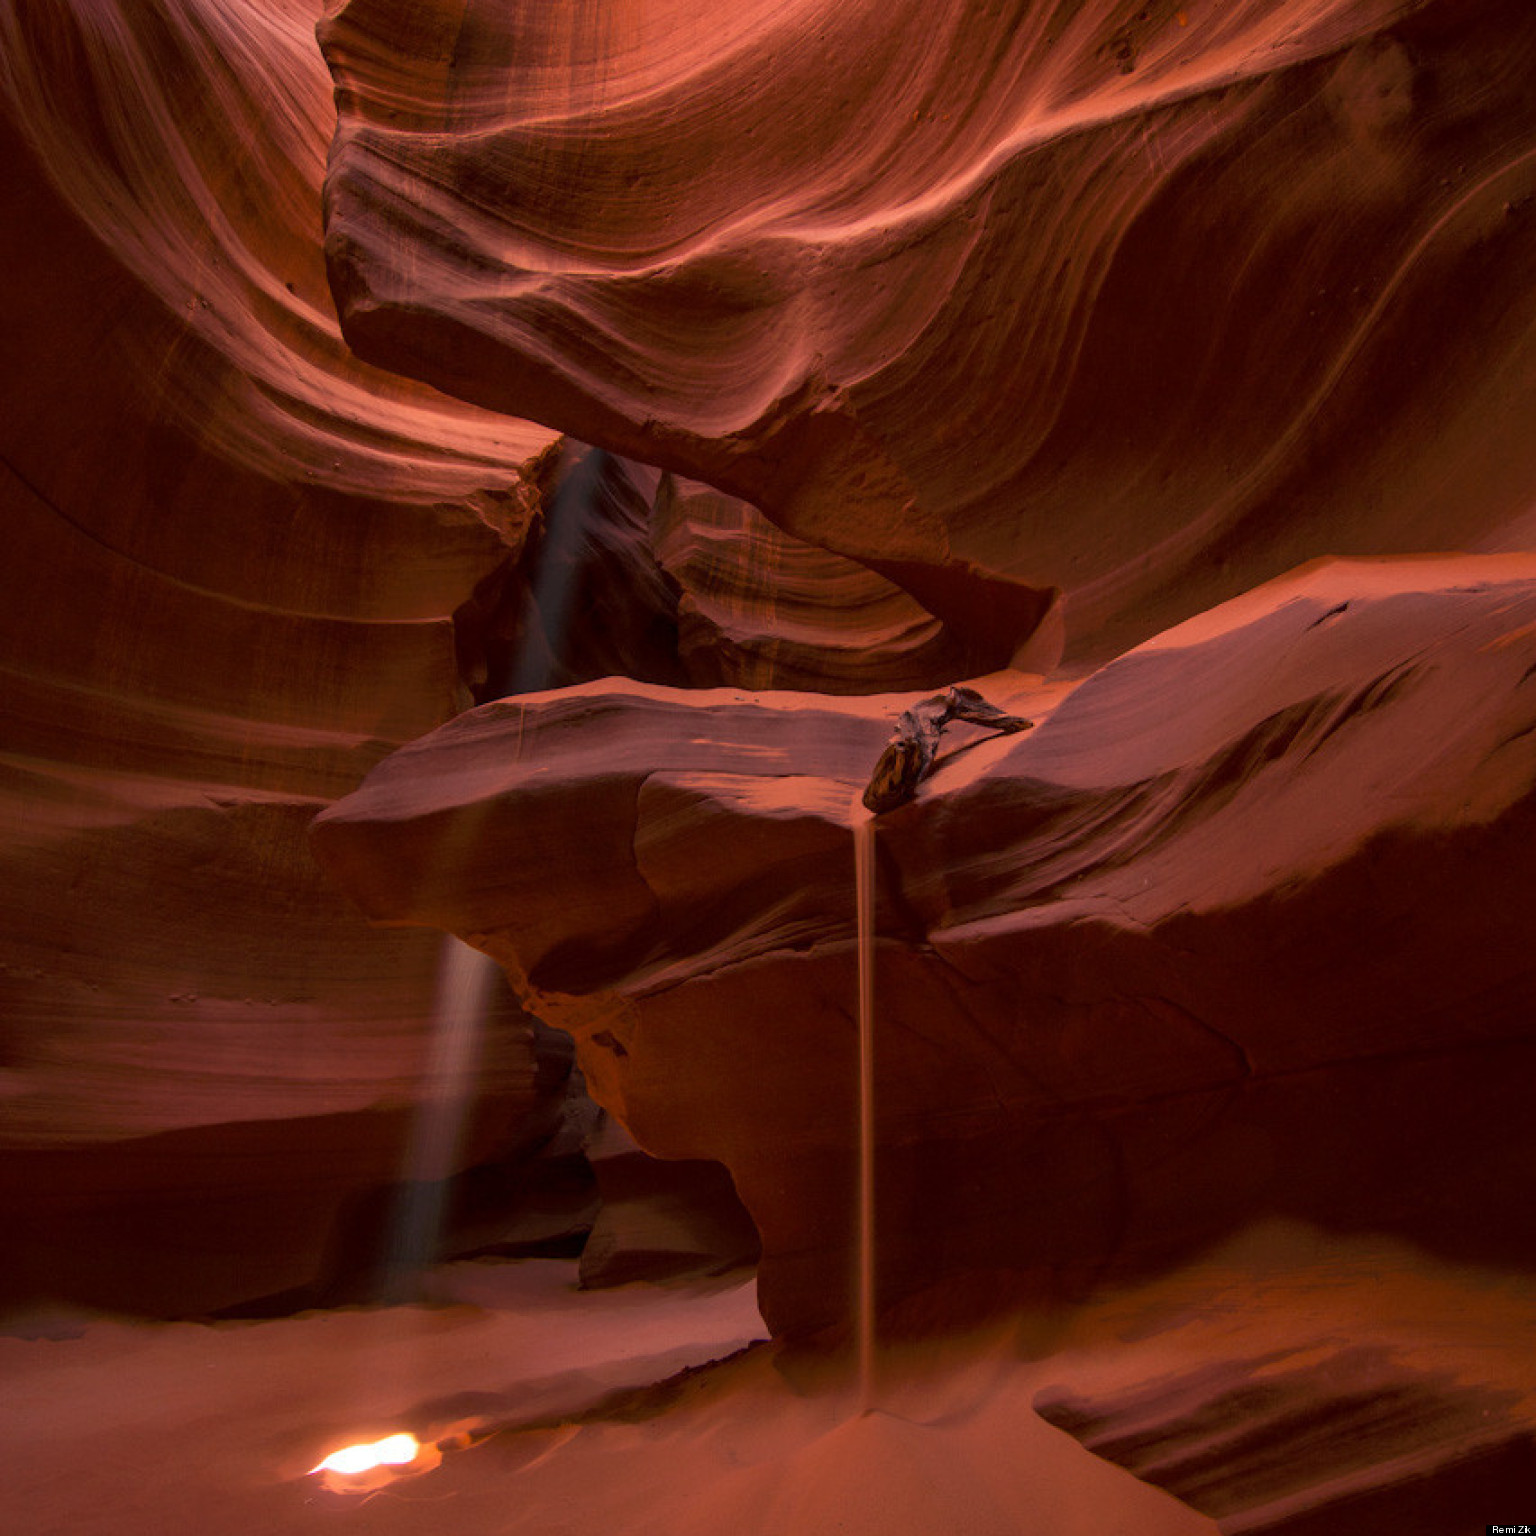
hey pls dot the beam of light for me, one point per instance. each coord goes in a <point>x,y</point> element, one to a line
<point>463,992</point>
<point>549,601</point>
<point>466,976</point>
<point>353,1460</point>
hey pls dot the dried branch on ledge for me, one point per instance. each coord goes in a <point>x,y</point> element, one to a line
<point>909,755</point>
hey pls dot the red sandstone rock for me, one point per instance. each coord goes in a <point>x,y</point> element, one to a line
<point>763,610</point>
<point>234,555</point>
<point>631,572</point>
<point>1212,941</point>
<point>1144,302</point>
<point>1338,1437</point>
<point>241,566</point>
<point>661,1220</point>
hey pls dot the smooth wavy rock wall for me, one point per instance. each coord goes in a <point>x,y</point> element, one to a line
<point>241,566</point>
<point>1237,929</point>
<point>758,608</point>
<point>1299,1441</point>
<point>1142,301</point>
<point>631,572</point>
<point>233,557</point>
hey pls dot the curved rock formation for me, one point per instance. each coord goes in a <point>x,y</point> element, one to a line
<point>1214,940</point>
<point>242,566</point>
<point>233,561</point>
<point>631,572</point>
<point>1145,302</point>
<point>888,322</point>
<point>760,609</point>
<point>1287,1444</point>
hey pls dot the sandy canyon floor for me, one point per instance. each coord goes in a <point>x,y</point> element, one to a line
<point>589,1411</point>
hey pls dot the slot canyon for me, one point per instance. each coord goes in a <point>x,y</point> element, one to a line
<point>510,497</point>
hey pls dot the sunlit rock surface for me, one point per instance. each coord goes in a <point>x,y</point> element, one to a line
<point>1145,302</point>
<point>233,559</point>
<point>1236,929</point>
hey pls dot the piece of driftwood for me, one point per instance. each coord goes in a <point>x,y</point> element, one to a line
<point>908,756</point>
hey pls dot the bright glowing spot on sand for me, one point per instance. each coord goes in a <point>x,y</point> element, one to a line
<point>352,1460</point>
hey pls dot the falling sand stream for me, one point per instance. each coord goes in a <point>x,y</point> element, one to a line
<point>864,1304</point>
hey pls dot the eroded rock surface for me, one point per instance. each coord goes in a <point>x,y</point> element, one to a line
<point>1236,929</point>
<point>1304,1442</point>
<point>1147,302</point>
<point>241,566</point>
<point>760,609</point>
<point>234,556</point>
<point>631,572</point>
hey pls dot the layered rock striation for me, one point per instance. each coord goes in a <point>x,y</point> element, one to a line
<point>918,319</point>
<point>1144,302</point>
<point>1237,929</point>
<point>234,560</point>
<point>243,566</point>
<point>631,572</point>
